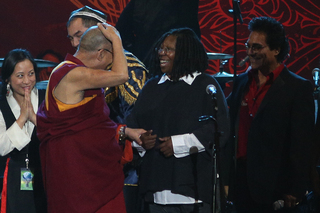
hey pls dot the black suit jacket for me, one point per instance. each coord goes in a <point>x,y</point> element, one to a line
<point>280,137</point>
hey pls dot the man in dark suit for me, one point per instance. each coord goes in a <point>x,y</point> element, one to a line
<point>272,125</point>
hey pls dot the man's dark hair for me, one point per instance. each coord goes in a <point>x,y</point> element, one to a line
<point>190,54</point>
<point>87,20</point>
<point>275,35</point>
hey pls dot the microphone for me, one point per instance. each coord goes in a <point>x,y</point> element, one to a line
<point>315,73</point>
<point>193,150</point>
<point>243,61</point>
<point>211,89</point>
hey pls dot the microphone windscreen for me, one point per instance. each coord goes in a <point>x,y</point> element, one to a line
<point>211,89</point>
<point>315,70</point>
<point>193,150</point>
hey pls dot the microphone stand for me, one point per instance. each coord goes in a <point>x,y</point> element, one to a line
<point>316,96</point>
<point>315,73</point>
<point>236,14</point>
<point>215,147</point>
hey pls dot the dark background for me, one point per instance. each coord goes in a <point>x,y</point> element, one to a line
<point>38,25</point>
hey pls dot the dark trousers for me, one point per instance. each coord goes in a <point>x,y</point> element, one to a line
<point>132,199</point>
<point>243,201</point>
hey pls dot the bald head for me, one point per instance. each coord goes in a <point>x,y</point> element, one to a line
<point>95,50</point>
<point>92,40</point>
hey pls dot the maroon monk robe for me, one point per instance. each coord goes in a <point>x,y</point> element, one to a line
<point>79,153</point>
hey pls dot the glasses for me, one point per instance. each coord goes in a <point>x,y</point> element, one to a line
<point>106,50</point>
<point>254,47</point>
<point>166,50</point>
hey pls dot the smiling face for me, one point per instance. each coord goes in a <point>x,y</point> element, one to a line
<point>22,78</point>
<point>167,54</point>
<point>261,57</point>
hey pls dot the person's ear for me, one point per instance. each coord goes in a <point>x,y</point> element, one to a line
<point>100,54</point>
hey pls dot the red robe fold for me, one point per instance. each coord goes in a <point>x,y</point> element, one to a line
<point>79,153</point>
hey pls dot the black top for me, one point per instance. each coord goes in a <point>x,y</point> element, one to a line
<point>171,109</point>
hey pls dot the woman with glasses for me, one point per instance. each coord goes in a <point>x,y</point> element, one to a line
<point>176,170</point>
<point>22,185</point>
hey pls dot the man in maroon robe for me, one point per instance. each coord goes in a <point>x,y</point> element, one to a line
<point>79,153</point>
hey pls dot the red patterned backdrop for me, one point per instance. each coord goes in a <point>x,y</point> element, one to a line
<point>38,25</point>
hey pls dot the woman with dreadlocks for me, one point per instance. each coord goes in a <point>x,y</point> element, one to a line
<point>176,170</point>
